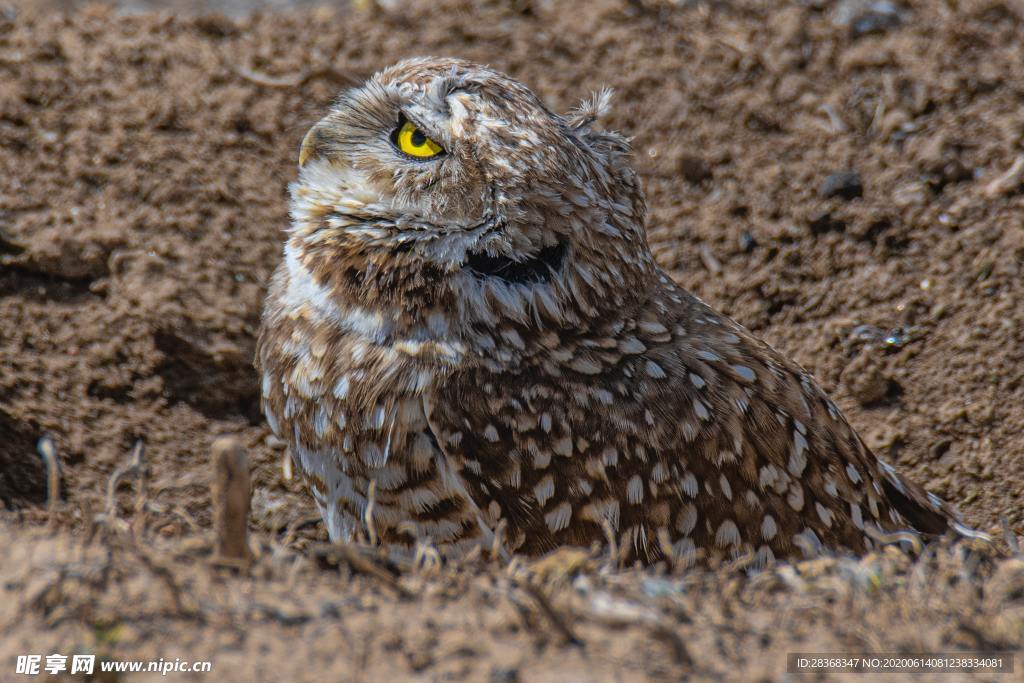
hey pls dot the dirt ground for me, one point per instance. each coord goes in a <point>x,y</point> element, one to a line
<point>844,178</point>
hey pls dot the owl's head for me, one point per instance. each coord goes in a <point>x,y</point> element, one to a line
<point>444,186</point>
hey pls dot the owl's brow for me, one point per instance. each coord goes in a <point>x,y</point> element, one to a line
<point>417,121</point>
<point>437,91</point>
<point>448,85</point>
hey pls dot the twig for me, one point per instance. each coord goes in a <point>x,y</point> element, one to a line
<point>836,124</point>
<point>275,614</point>
<point>613,547</point>
<point>1011,538</point>
<point>1008,181</point>
<point>665,541</point>
<point>498,542</point>
<point>293,527</point>
<point>894,537</point>
<point>713,265</point>
<point>426,560</point>
<point>132,468</point>
<point>48,452</point>
<point>371,502</point>
<point>360,564</point>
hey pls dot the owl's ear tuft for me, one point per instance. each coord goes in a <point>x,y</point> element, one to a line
<point>590,109</point>
<point>608,144</point>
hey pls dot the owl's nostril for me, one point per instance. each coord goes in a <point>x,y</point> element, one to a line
<point>536,269</point>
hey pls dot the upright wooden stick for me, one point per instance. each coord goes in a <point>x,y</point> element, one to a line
<point>230,492</point>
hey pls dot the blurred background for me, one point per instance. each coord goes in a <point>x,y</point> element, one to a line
<point>231,8</point>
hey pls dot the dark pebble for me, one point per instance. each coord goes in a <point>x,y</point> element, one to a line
<point>826,223</point>
<point>747,241</point>
<point>9,246</point>
<point>215,25</point>
<point>330,610</point>
<point>845,184</point>
<point>501,674</point>
<point>867,333</point>
<point>865,17</point>
<point>695,169</point>
<point>879,18</point>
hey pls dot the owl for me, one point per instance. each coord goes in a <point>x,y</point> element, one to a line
<point>468,337</point>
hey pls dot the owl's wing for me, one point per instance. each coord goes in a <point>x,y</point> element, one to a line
<point>672,432</point>
<point>774,455</point>
<point>464,476</point>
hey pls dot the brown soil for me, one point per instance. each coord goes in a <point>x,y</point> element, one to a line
<point>143,168</point>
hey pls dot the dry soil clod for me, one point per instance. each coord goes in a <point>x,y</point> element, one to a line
<point>230,493</point>
<point>843,184</point>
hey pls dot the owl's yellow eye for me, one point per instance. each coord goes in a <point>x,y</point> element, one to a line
<point>414,142</point>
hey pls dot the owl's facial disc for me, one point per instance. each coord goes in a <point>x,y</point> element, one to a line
<point>419,167</point>
<point>443,183</point>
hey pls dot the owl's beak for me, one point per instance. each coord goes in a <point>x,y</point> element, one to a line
<point>308,149</point>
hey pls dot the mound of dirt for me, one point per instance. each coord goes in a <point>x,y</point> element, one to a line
<point>844,178</point>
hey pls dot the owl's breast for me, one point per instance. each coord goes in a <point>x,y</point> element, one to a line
<point>346,390</point>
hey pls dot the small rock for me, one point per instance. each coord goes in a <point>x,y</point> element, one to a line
<point>887,340</point>
<point>747,241</point>
<point>931,151</point>
<point>9,246</point>
<point>866,334</point>
<point>215,25</point>
<point>865,380</point>
<point>330,610</point>
<point>844,184</point>
<point>940,449</point>
<point>864,17</point>
<point>874,22</point>
<point>503,674</point>
<point>826,223</point>
<point>912,194</point>
<point>885,438</point>
<point>939,159</point>
<point>694,169</point>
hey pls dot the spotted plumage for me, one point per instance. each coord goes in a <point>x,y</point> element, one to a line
<point>468,315</point>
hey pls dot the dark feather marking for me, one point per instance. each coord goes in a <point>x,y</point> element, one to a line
<point>536,269</point>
